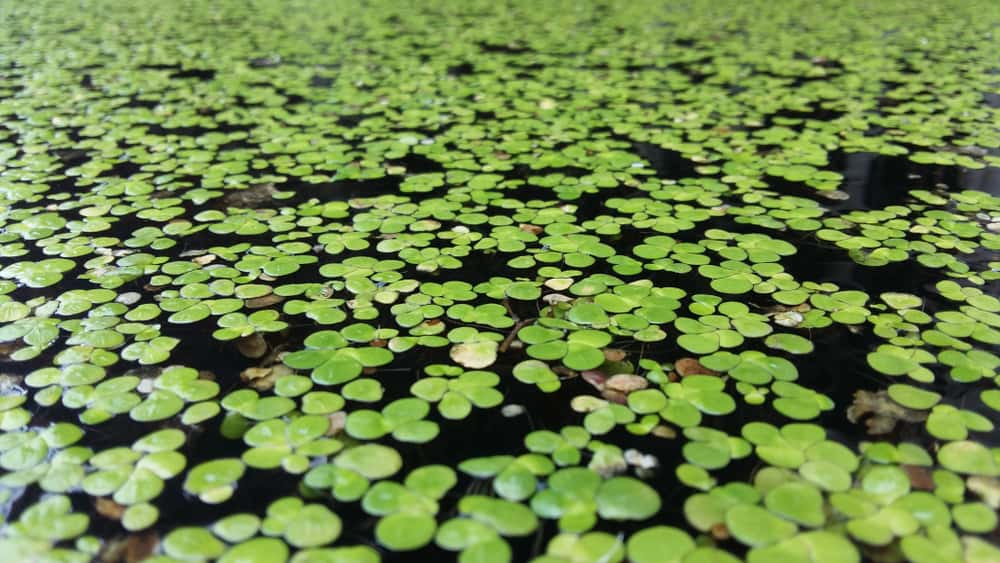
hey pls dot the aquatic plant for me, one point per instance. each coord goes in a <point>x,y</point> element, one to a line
<point>560,282</point>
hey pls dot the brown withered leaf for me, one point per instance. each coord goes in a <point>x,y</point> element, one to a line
<point>260,379</point>
<point>109,508</point>
<point>253,346</point>
<point>880,412</point>
<point>529,228</point>
<point>565,372</point>
<point>719,531</point>
<point>264,301</point>
<point>594,377</point>
<point>663,431</point>
<point>337,422</point>
<point>134,548</point>
<point>273,356</point>
<point>140,547</point>
<point>614,396</point>
<point>626,382</point>
<point>776,309</point>
<point>263,378</point>
<point>614,354</point>
<point>8,348</point>
<point>920,477</point>
<point>252,197</point>
<point>690,366</point>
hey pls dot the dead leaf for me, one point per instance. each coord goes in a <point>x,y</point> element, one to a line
<point>529,228</point>
<point>274,356</point>
<point>690,366</point>
<point>788,319</point>
<point>626,382</point>
<point>554,298</point>
<point>8,348</point>
<point>130,549</point>
<point>109,508</point>
<point>360,203</point>
<point>595,377</point>
<point>263,378</point>
<point>835,195</point>
<point>638,459</point>
<point>141,546</point>
<point>146,385</point>
<point>337,422</point>
<point>608,466</point>
<point>988,489</point>
<point>264,301</point>
<point>664,431</point>
<point>557,284</point>
<point>565,372</point>
<point>129,298</point>
<point>204,259</point>
<point>587,403</point>
<point>614,354</point>
<point>920,477</point>
<point>719,531</point>
<point>880,412</point>
<point>614,396</point>
<point>253,346</point>
<point>251,197</point>
<point>776,309</point>
<point>260,379</point>
<point>512,410</point>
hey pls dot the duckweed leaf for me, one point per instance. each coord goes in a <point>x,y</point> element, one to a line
<point>624,498</point>
<point>214,481</point>
<point>754,526</point>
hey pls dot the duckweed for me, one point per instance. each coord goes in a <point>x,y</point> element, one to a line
<point>555,282</point>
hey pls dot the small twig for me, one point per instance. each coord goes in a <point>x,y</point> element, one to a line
<point>510,310</point>
<point>513,332</point>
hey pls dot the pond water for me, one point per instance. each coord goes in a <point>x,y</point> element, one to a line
<point>553,282</point>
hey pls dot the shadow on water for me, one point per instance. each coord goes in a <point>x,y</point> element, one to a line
<point>667,163</point>
<point>874,181</point>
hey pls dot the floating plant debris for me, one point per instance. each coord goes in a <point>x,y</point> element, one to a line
<point>678,281</point>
